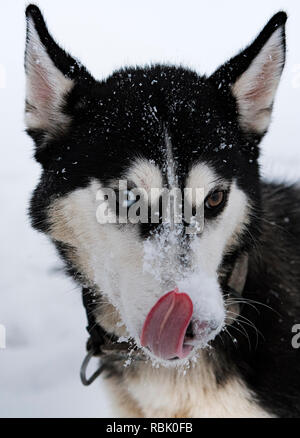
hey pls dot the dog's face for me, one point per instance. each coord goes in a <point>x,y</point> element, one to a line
<point>159,128</point>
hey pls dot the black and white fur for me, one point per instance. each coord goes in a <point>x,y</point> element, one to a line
<point>160,126</point>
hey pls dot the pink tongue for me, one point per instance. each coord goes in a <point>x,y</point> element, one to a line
<point>165,326</point>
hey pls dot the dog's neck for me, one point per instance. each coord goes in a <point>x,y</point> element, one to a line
<point>143,390</point>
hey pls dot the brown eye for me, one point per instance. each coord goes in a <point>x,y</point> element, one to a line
<point>215,199</point>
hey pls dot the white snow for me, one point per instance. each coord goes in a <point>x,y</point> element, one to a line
<point>40,308</point>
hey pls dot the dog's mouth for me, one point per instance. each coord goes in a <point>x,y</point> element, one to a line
<point>165,328</point>
<point>169,332</point>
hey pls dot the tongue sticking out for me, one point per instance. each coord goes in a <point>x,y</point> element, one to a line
<point>165,326</point>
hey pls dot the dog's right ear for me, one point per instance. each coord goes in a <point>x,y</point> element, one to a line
<point>252,77</point>
<point>51,74</point>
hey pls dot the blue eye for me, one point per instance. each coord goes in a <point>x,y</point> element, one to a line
<point>131,198</point>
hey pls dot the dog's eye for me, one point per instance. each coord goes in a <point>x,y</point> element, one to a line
<point>129,198</point>
<point>215,199</point>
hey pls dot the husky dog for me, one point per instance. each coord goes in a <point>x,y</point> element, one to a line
<point>210,313</point>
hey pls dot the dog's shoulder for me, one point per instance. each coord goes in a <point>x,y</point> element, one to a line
<point>272,295</point>
<point>280,237</point>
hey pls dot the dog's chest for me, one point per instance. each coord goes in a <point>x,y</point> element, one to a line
<point>167,393</point>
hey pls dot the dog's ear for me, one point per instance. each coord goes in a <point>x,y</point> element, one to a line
<point>252,76</point>
<point>51,74</point>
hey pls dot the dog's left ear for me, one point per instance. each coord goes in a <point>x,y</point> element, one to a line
<point>51,74</point>
<point>252,76</point>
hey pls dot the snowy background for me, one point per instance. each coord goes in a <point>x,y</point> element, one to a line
<point>40,308</point>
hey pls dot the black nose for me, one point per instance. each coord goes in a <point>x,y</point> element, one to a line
<point>189,331</point>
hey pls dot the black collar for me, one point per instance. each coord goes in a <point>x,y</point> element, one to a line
<point>101,343</point>
<point>107,347</point>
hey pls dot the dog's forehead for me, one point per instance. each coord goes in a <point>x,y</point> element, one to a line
<point>170,166</point>
<point>169,171</point>
<point>147,174</point>
<point>149,127</point>
<point>142,98</point>
<point>141,111</point>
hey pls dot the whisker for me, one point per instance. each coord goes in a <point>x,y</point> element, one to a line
<point>240,301</point>
<point>249,301</point>
<point>249,324</point>
<point>244,333</point>
<point>232,338</point>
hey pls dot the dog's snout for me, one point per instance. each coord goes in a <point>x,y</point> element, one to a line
<point>173,327</point>
<point>189,331</point>
<point>199,332</point>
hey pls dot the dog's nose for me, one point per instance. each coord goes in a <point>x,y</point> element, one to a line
<point>170,331</point>
<point>198,332</point>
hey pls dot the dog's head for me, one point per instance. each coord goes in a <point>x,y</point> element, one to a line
<point>163,128</point>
